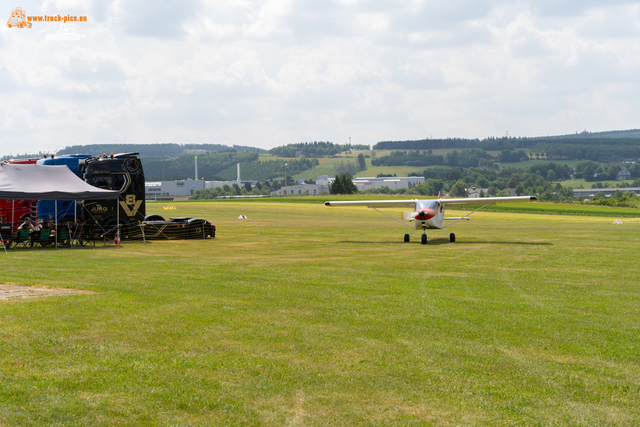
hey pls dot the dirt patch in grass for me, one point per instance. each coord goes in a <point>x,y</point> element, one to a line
<point>15,291</point>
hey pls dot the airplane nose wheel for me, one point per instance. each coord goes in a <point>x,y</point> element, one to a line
<point>424,239</point>
<point>406,238</point>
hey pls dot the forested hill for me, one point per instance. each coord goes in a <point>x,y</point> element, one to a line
<point>222,166</point>
<point>631,133</point>
<point>602,147</point>
<point>153,150</point>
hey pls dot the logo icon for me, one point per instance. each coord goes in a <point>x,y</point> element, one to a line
<point>130,200</point>
<point>65,33</point>
<point>18,19</point>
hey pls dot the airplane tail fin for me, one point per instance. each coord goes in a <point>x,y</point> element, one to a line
<point>439,195</point>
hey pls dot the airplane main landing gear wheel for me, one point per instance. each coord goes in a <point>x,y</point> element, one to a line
<point>452,237</point>
<point>424,239</point>
<point>406,238</point>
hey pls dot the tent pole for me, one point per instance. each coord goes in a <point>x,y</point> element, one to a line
<point>55,222</point>
<point>13,212</point>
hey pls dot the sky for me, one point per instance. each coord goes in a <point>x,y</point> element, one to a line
<point>274,72</point>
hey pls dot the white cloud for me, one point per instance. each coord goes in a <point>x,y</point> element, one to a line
<point>271,72</point>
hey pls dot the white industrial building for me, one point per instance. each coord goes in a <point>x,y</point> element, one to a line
<point>188,187</point>
<point>302,189</point>
<point>184,188</point>
<point>393,183</point>
<point>323,182</point>
<point>589,193</point>
<point>163,189</point>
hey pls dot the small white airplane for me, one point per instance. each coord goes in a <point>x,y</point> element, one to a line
<point>429,214</point>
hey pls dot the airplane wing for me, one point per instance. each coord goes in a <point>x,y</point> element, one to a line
<point>376,203</point>
<point>481,201</point>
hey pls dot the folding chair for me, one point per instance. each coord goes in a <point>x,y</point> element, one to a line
<point>63,236</point>
<point>22,239</point>
<point>42,238</point>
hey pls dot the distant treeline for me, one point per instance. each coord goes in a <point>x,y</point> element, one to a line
<point>605,150</point>
<point>580,147</point>
<point>466,158</point>
<point>631,133</point>
<point>494,144</point>
<point>153,150</point>
<point>314,149</point>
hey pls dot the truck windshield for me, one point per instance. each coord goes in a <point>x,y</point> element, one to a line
<point>109,182</point>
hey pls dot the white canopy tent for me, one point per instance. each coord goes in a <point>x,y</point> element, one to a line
<point>40,182</point>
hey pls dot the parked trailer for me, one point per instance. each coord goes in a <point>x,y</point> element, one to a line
<point>14,212</point>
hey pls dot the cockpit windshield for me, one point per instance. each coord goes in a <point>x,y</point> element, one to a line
<point>428,204</point>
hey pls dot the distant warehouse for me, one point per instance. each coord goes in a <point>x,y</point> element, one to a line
<point>589,193</point>
<point>393,183</point>
<point>323,182</point>
<point>163,189</point>
<point>183,188</point>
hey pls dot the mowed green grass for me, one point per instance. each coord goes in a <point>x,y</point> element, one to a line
<point>327,318</point>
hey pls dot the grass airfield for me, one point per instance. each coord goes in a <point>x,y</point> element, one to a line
<point>328,318</point>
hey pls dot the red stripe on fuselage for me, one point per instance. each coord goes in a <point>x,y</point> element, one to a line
<point>424,214</point>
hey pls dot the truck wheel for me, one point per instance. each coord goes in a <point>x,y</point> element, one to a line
<point>195,232</point>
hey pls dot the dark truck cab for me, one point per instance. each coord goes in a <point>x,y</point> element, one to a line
<point>123,172</point>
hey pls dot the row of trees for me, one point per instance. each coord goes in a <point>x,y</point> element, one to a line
<point>597,152</point>
<point>343,185</point>
<point>479,158</point>
<point>592,171</point>
<point>492,143</point>
<point>464,158</point>
<point>601,147</point>
<point>233,190</point>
